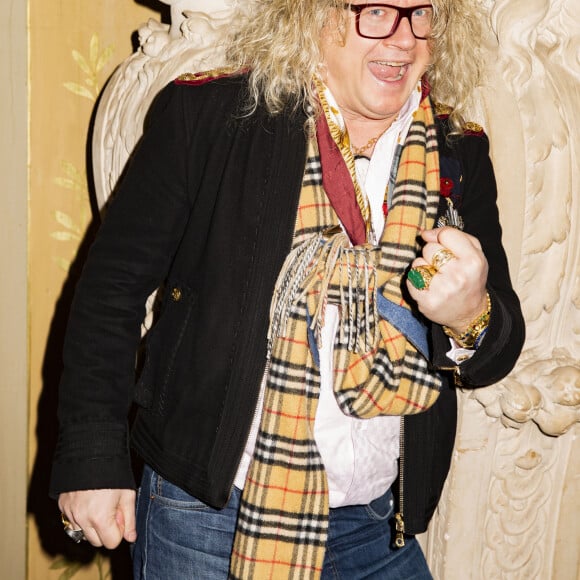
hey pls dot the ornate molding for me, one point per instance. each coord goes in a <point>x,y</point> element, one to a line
<point>190,43</point>
<point>545,391</point>
<point>534,71</point>
<point>508,510</point>
<point>537,57</point>
<point>519,512</point>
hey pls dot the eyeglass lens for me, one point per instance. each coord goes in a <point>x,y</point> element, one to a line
<point>382,21</point>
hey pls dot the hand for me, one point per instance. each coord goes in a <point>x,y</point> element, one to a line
<point>106,516</point>
<point>457,293</point>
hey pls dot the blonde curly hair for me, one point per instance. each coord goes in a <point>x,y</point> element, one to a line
<point>278,41</point>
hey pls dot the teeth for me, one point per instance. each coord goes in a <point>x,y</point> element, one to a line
<point>402,66</point>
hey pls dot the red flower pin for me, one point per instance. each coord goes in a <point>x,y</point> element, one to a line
<point>446,186</point>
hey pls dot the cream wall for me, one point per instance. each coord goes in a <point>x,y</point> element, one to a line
<point>13,289</point>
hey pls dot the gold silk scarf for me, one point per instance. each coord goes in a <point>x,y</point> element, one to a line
<point>283,519</point>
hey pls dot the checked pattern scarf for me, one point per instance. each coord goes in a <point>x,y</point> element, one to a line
<point>283,519</point>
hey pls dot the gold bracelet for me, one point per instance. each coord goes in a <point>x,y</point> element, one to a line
<point>468,338</point>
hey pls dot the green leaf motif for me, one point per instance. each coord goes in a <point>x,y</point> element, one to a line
<point>66,183</point>
<point>64,237</point>
<point>59,563</point>
<point>73,179</point>
<point>76,222</point>
<point>70,572</point>
<point>94,49</point>
<point>64,220</point>
<point>79,90</point>
<point>62,263</point>
<point>91,66</point>
<point>103,567</point>
<point>81,61</point>
<point>70,170</point>
<point>104,58</point>
<point>69,568</point>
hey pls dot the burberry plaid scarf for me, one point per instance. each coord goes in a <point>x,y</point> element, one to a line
<point>283,518</point>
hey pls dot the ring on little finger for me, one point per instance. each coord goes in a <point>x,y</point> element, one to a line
<point>421,276</point>
<point>441,257</point>
<point>75,535</point>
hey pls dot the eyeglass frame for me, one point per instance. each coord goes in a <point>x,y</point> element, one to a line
<point>401,13</point>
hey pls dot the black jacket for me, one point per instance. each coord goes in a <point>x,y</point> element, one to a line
<point>207,208</point>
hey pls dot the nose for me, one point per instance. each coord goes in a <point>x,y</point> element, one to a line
<point>403,36</point>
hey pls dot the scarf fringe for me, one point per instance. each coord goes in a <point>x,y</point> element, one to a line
<point>355,292</point>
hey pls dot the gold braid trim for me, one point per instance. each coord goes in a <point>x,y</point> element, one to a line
<point>342,140</point>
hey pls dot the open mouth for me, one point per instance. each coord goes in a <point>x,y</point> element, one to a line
<point>388,71</point>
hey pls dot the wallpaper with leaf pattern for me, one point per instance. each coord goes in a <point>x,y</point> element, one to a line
<point>74,46</point>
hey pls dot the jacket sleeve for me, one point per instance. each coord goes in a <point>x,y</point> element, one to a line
<point>503,342</point>
<point>128,260</point>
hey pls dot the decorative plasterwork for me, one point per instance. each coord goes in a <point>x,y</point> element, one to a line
<point>534,69</point>
<point>544,391</point>
<point>522,505</point>
<point>508,502</point>
<point>190,44</point>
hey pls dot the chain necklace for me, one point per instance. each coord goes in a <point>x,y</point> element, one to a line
<point>360,150</point>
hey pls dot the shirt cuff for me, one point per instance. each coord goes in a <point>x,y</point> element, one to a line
<point>458,354</point>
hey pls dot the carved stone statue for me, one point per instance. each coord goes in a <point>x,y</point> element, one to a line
<point>191,43</point>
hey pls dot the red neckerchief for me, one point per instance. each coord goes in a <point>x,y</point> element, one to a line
<point>337,183</point>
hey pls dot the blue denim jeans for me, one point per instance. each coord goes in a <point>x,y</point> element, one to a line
<point>180,537</point>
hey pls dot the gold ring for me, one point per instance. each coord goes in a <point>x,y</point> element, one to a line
<point>421,276</point>
<point>441,257</point>
<point>75,535</point>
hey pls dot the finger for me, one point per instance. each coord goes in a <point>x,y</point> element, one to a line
<point>92,537</point>
<point>455,239</point>
<point>100,527</point>
<point>67,515</point>
<point>452,238</point>
<point>431,236</point>
<point>437,255</point>
<point>126,519</point>
<point>104,533</point>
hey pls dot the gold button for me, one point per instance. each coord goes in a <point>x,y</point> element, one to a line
<point>176,294</point>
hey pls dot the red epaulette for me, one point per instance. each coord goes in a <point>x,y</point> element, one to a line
<point>201,78</point>
<point>442,110</point>
<point>471,128</point>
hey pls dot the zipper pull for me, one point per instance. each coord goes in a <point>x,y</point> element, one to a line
<point>457,379</point>
<point>399,530</point>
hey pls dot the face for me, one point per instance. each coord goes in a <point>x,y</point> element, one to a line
<point>371,79</point>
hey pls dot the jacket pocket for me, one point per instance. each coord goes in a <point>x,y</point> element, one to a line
<point>162,344</point>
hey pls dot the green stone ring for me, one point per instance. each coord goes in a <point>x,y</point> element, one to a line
<point>421,276</point>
